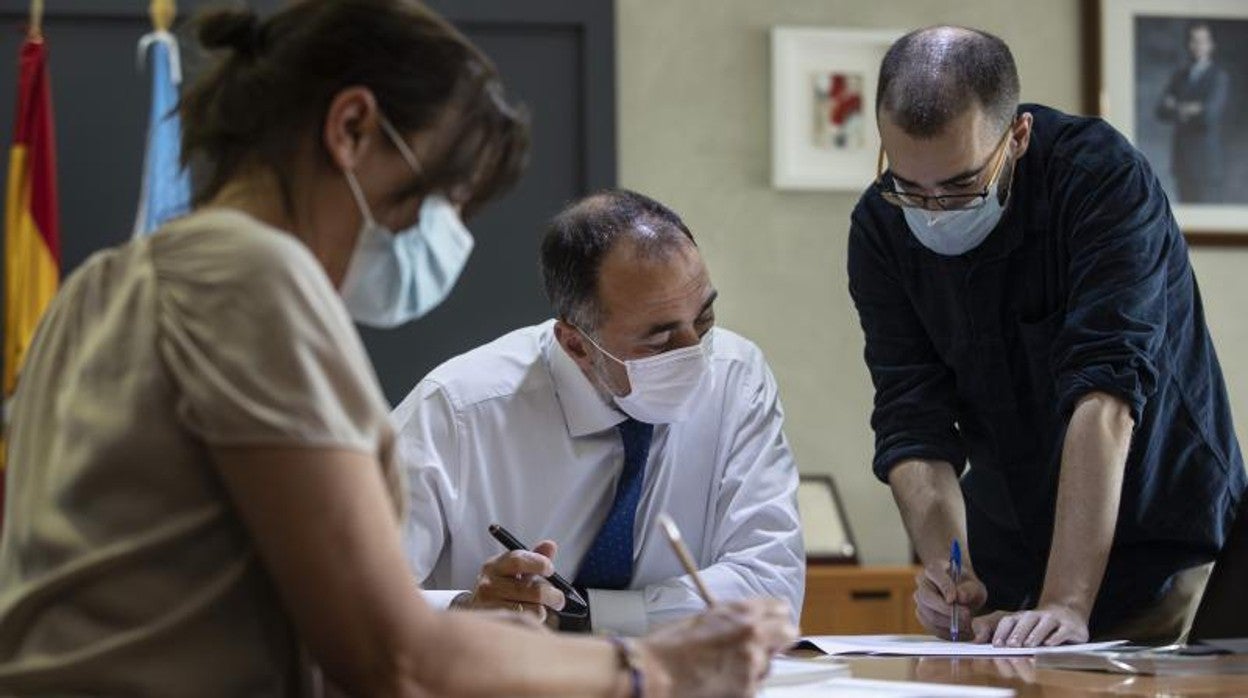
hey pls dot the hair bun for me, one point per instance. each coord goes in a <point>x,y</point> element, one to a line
<point>235,29</point>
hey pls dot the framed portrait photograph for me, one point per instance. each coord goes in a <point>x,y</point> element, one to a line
<point>825,527</point>
<point>1173,78</point>
<point>823,132</point>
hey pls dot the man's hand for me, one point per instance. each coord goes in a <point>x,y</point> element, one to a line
<point>516,581</point>
<point>936,594</point>
<point>1046,626</point>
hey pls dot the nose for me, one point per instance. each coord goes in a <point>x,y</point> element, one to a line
<point>685,337</point>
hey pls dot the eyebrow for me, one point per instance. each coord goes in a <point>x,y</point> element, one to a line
<point>967,174</point>
<point>669,326</point>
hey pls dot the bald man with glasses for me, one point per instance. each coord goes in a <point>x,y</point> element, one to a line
<point>1047,392</point>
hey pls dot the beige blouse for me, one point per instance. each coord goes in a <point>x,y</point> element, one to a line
<point>124,568</point>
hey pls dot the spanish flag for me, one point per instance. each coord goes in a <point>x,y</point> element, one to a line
<point>32,249</point>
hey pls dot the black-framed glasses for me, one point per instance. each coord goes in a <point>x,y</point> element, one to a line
<point>944,202</point>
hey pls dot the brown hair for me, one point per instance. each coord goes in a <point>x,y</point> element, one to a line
<point>278,76</point>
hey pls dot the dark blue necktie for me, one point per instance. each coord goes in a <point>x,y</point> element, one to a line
<point>609,562</point>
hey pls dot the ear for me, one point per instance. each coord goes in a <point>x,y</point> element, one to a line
<point>350,126</point>
<point>1021,135</point>
<point>572,341</point>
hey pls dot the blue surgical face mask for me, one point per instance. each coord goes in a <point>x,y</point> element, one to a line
<point>666,387</point>
<point>956,232</point>
<point>396,277</point>
<point>953,233</point>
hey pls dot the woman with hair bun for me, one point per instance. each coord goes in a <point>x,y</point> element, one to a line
<point>201,499</point>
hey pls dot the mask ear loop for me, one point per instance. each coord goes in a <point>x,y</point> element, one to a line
<point>404,150</point>
<point>609,355</point>
<point>358,194</point>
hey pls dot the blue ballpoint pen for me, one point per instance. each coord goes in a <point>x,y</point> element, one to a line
<point>955,571</point>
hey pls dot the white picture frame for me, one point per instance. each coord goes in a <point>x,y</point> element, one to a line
<point>808,153</point>
<point>1129,69</point>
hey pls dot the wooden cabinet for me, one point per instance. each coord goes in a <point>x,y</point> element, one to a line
<point>852,600</point>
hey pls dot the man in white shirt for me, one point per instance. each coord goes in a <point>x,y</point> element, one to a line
<point>583,429</point>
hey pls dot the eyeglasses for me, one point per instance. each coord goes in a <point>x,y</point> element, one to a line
<point>943,202</point>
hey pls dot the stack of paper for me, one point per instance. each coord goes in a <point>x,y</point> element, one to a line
<point>920,646</point>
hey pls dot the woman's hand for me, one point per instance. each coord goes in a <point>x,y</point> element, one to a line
<point>723,652</point>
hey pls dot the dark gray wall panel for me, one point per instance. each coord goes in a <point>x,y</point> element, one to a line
<point>557,56</point>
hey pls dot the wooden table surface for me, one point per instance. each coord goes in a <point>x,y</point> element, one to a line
<point>1020,674</point>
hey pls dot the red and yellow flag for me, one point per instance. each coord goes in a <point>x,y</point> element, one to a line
<point>32,248</point>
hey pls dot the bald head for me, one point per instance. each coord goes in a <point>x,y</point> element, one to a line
<point>931,76</point>
<point>580,237</point>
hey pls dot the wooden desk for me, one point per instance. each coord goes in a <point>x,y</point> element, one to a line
<point>857,600</point>
<point>1020,674</point>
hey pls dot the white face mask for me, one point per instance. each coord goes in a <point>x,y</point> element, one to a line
<point>396,277</point>
<point>665,387</point>
<point>952,233</point>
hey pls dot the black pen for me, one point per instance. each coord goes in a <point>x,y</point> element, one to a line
<point>509,541</point>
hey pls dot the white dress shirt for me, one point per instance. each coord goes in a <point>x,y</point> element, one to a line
<point>514,433</point>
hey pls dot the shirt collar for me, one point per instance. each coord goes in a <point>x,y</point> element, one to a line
<point>585,410</point>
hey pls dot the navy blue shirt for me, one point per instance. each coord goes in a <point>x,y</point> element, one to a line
<point>1084,285</point>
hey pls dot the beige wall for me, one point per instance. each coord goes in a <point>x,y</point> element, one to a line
<point>694,95</point>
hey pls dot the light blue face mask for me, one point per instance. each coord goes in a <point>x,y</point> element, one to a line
<point>953,233</point>
<point>396,277</point>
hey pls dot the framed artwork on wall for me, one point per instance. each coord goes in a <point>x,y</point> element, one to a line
<point>823,133</point>
<point>825,527</point>
<point>1173,78</point>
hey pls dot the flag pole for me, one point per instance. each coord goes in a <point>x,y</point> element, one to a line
<point>35,31</point>
<point>162,13</point>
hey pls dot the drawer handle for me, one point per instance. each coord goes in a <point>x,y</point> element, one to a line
<point>871,594</point>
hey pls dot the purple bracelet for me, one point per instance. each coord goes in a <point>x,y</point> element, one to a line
<point>627,655</point>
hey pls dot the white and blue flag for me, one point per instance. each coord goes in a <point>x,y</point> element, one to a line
<point>166,188</point>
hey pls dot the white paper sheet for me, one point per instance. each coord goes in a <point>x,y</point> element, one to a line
<point>787,671</point>
<point>869,688</point>
<point>922,646</point>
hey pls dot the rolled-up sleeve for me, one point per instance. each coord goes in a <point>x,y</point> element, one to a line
<point>915,394</point>
<point>1121,235</point>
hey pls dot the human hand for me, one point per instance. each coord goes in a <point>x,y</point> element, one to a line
<point>1046,626</point>
<point>936,593</point>
<point>515,581</point>
<point>725,651</point>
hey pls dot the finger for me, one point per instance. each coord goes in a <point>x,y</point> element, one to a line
<point>984,626</point>
<point>1060,636</point>
<point>931,599</point>
<point>972,594</point>
<point>546,548</point>
<point>1044,628</point>
<point>518,562</point>
<point>1026,622</point>
<point>779,635</point>
<point>517,607</point>
<point>526,589</point>
<point>773,634</point>
<point>536,610</point>
<point>935,623</point>
<point>1004,627</point>
<point>1066,634</point>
